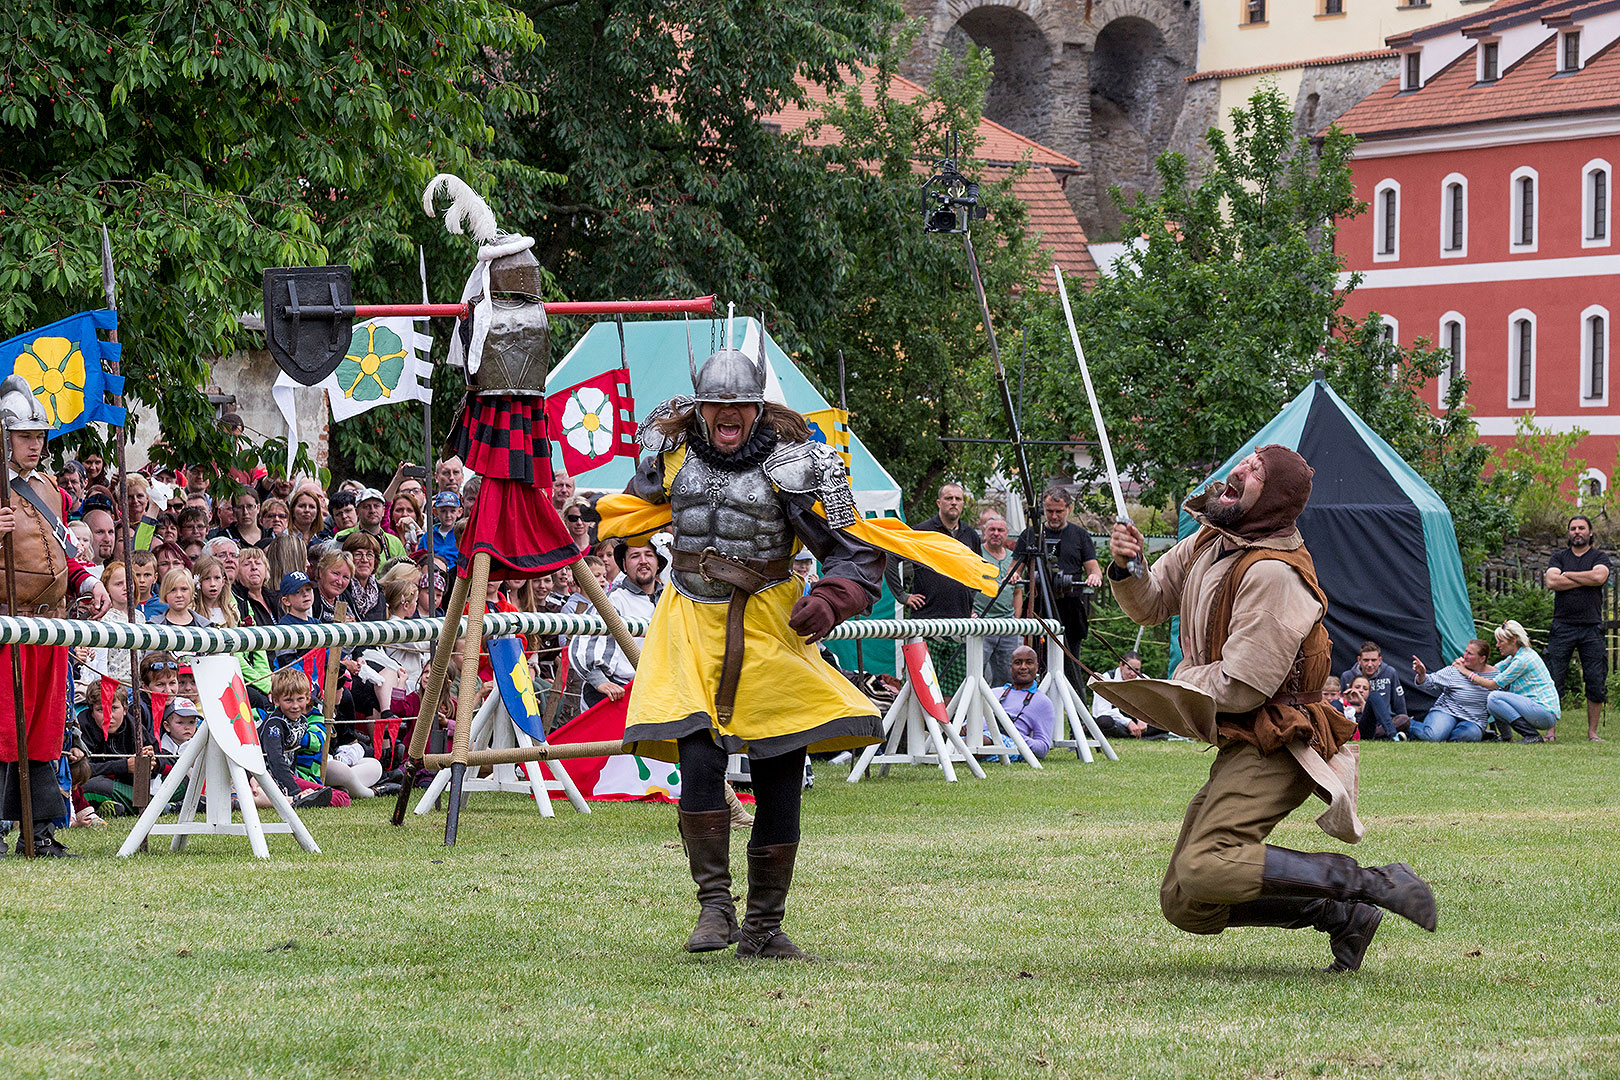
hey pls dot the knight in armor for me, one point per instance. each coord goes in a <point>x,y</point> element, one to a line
<point>504,349</point>
<point>47,566</point>
<point>730,663</point>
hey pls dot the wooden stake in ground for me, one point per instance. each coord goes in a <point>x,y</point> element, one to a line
<point>333,687</point>
<point>428,710</point>
<point>467,697</point>
<point>25,787</point>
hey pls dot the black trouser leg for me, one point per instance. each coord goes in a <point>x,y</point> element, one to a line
<point>703,773</point>
<point>778,797</point>
<point>45,795</point>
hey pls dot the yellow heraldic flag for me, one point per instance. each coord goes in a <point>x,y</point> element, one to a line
<point>628,516</point>
<point>831,426</point>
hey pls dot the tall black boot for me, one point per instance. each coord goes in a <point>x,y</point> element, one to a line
<point>1349,926</point>
<point>707,835</point>
<point>770,875</point>
<point>1339,877</point>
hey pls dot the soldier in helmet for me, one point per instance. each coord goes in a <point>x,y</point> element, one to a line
<point>47,566</point>
<point>730,663</point>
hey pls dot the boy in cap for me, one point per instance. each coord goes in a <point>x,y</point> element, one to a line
<point>446,512</point>
<point>297,598</point>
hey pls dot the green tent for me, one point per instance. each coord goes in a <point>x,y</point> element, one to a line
<point>1381,538</point>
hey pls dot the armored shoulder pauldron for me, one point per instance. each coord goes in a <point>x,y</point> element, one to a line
<point>812,468</point>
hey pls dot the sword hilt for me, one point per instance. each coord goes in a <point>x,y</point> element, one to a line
<point>1138,565</point>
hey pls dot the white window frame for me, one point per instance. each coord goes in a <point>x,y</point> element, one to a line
<point>1393,325</point>
<point>1516,211</point>
<point>1580,58</point>
<point>1407,82</point>
<point>1479,59</point>
<point>1588,402</point>
<point>1445,217</point>
<point>1587,207</point>
<point>1515,361</point>
<point>1443,341</point>
<point>1590,474</point>
<point>1379,255</point>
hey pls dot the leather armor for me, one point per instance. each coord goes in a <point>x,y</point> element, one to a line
<point>42,568</point>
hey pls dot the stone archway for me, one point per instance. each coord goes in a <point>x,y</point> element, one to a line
<point>1020,95</point>
<point>1137,90</point>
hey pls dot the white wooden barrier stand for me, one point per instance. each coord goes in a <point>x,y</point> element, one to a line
<point>219,759</point>
<point>917,730</point>
<point>975,708</point>
<point>495,729</point>
<point>1069,712</point>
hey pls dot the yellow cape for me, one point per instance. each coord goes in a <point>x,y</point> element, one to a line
<point>629,516</point>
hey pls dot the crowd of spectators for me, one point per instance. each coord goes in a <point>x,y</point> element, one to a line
<point>253,550</point>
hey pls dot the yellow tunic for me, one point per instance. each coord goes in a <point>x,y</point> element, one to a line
<point>787,695</point>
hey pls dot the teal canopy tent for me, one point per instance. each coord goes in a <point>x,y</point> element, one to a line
<point>1381,538</point>
<point>656,351</point>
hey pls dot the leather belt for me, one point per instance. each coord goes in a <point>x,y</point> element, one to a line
<point>749,575</point>
<point>746,577</point>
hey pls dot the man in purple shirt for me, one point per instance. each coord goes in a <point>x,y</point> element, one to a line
<point>1031,710</point>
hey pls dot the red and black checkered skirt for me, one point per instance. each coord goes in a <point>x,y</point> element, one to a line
<point>502,439</point>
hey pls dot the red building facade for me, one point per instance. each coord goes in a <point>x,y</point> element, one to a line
<point>1488,166</point>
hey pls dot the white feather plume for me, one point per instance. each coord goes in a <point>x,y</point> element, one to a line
<point>467,212</point>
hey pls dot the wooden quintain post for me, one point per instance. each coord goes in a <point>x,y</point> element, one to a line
<point>143,764</point>
<point>25,787</point>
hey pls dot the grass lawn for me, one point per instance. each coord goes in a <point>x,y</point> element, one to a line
<point>998,928</point>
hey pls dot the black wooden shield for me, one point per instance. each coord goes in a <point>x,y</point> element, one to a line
<point>307,335</point>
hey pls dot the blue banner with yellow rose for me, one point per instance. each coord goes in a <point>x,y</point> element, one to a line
<point>63,362</point>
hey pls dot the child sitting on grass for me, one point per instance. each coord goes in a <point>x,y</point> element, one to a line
<point>111,738</point>
<point>292,737</point>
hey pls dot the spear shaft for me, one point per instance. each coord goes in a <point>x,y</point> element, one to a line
<point>142,772</point>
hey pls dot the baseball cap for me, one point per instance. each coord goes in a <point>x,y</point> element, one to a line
<point>180,707</point>
<point>446,498</point>
<point>291,583</point>
<point>341,500</point>
<point>367,494</point>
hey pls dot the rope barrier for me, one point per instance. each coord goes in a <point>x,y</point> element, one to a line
<point>15,630</point>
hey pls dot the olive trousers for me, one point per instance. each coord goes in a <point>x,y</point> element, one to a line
<point>1220,855</point>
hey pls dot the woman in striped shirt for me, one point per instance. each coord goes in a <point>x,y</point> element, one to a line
<point>1522,697</point>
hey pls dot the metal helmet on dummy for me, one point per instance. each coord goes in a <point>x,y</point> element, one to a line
<point>729,376</point>
<point>20,410</point>
<point>506,343</point>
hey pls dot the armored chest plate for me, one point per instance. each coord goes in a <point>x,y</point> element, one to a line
<point>736,513</point>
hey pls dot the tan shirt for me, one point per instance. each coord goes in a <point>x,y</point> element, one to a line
<point>1271,614</point>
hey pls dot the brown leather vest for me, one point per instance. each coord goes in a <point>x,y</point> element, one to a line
<point>42,569</point>
<point>1297,709</point>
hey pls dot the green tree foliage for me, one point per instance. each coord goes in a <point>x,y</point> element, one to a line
<point>217,138</point>
<point>1226,305</point>
<point>905,312</point>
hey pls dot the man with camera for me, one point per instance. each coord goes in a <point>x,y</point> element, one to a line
<point>1071,565</point>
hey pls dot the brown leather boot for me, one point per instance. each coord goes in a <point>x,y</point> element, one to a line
<point>707,835</point>
<point>1349,926</point>
<point>1339,877</point>
<point>770,874</point>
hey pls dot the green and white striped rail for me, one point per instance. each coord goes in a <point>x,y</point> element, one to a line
<point>122,635</point>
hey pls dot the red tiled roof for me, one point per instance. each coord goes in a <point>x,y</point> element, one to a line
<point>997,144</point>
<point>1000,148</point>
<point>1318,61</point>
<point>1530,89</point>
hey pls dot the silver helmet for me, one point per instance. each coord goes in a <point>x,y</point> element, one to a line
<point>728,376</point>
<point>20,410</point>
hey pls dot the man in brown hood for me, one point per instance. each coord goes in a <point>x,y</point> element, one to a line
<point>1252,639</point>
